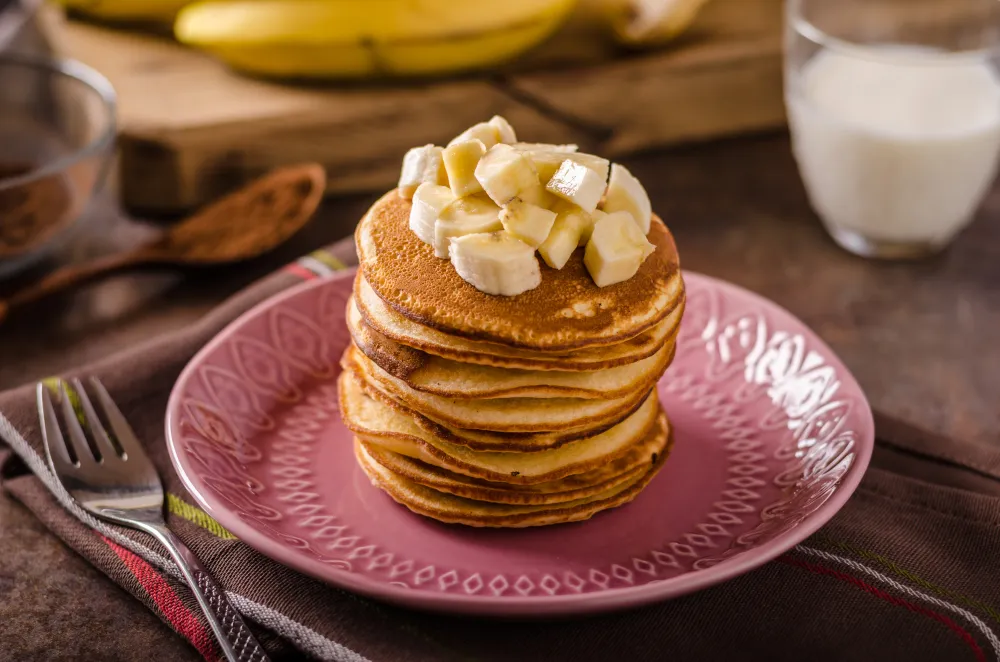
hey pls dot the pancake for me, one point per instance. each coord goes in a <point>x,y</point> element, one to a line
<point>375,420</point>
<point>453,509</point>
<point>501,414</point>
<point>452,379</point>
<point>383,319</point>
<point>570,488</point>
<point>485,440</point>
<point>566,311</point>
<point>516,442</point>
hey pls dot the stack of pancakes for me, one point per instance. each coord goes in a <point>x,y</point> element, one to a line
<point>505,411</point>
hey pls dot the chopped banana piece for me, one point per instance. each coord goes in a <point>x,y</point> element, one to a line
<point>595,216</point>
<point>572,224</point>
<point>504,172</point>
<point>496,263</point>
<point>487,202</point>
<point>548,160</point>
<point>428,202</point>
<point>544,147</point>
<point>421,164</point>
<point>537,195</point>
<point>463,216</point>
<point>598,164</point>
<point>484,132</point>
<point>625,193</point>
<point>505,132</point>
<point>460,161</point>
<point>527,222</point>
<point>559,245</point>
<point>577,184</point>
<point>585,221</point>
<point>616,249</point>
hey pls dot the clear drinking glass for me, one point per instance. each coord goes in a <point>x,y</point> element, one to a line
<point>894,111</point>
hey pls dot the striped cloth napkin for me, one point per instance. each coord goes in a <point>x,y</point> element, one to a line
<point>909,570</point>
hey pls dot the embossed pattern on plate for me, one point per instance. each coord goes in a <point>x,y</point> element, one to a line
<point>772,436</point>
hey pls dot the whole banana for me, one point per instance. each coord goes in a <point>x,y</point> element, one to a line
<point>366,38</point>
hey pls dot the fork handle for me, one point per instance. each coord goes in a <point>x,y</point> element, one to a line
<point>235,639</point>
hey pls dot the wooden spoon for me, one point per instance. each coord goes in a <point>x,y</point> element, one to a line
<point>240,226</point>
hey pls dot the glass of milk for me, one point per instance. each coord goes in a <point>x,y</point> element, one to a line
<point>894,111</point>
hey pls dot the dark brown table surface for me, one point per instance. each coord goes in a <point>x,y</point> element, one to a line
<point>922,338</point>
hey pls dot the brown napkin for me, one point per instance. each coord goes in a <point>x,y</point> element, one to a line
<point>909,570</point>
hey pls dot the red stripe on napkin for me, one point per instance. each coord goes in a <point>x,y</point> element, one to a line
<point>179,616</point>
<point>899,602</point>
<point>300,271</point>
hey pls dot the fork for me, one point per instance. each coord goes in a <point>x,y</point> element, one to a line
<point>112,478</point>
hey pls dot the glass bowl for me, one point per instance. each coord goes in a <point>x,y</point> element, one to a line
<point>57,130</point>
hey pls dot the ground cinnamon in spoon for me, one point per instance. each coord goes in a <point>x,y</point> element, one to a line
<point>249,222</point>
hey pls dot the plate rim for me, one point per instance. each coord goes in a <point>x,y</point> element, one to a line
<point>611,599</point>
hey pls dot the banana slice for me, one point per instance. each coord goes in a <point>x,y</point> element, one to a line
<point>571,226</point>
<point>578,184</point>
<point>588,228</point>
<point>505,132</point>
<point>548,158</point>
<point>504,172</point>
<point>422,164</point>
<point>527,222</point>
<point>616,249</point>
<point>625,193</point>
<point>527,148</point>
<point>428,202</point>
<point>463,216</point>
<point>537,195</point>
<point>484,132</point>
<point>460,162</point>
<point>496,263</point>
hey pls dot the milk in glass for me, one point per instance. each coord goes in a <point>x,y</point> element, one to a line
<point>895,144</point>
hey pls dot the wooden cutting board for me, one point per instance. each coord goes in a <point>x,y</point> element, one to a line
<point>191,129</point>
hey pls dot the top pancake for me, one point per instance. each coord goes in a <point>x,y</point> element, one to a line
<point>386,321</point>
<point>567,311</point>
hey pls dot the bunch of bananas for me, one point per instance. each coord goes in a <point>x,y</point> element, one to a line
<point>372,38</point>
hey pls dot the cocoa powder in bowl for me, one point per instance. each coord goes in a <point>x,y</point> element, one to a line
<point>31,212</point>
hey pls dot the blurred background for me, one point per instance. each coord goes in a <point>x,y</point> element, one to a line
<point>215,92</point>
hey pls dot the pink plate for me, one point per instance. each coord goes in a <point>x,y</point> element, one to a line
<point>772,436</point>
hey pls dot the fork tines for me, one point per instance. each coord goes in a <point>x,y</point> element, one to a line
<point>89,436</point>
